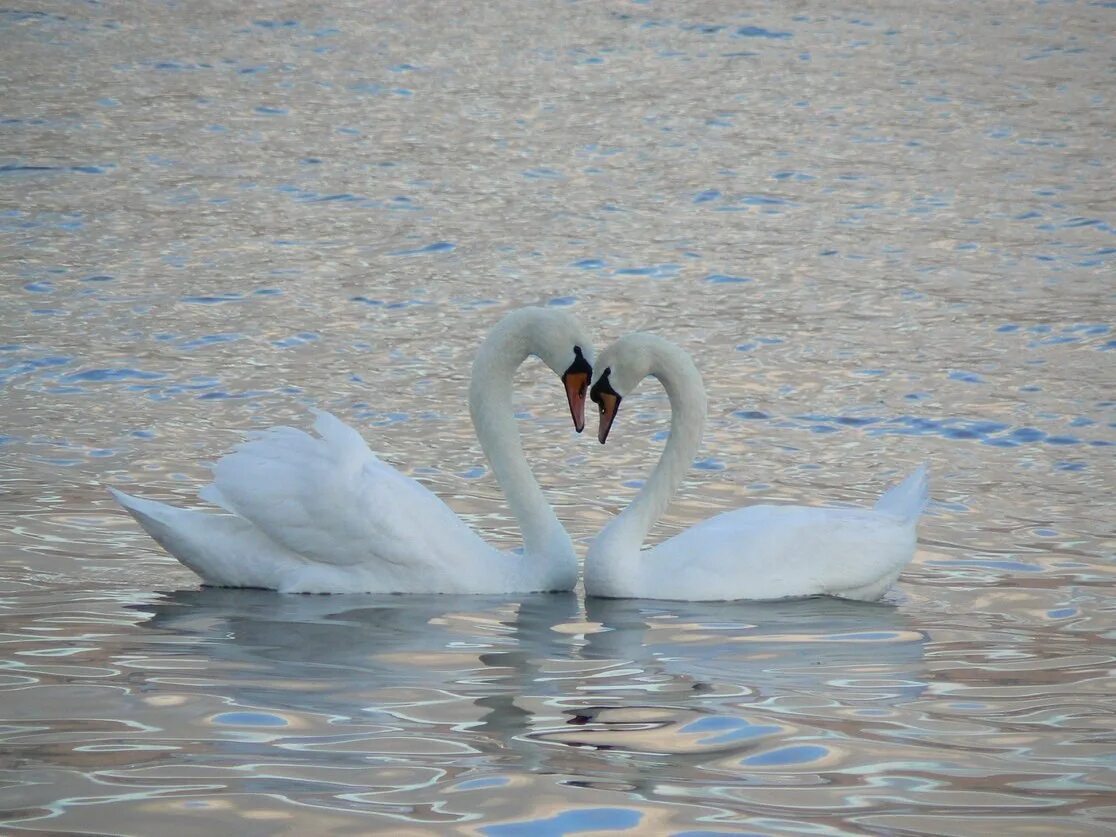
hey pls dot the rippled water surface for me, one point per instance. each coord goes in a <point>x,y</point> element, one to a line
<point>887,233</point>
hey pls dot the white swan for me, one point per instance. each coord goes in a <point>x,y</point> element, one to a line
<point>757,552</point>
<point>324,515</point>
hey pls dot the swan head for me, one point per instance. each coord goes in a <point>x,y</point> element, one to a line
<point>576,381</point>
<point>564,346</point>
<point>634,357</point>
<point>560,341</point>
<point>619,370</point>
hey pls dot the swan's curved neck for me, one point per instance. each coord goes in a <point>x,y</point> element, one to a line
<point>490,404</point>
<point>676,372</point>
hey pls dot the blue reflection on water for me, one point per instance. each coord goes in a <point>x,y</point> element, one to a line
<point>760,32</point>
<point>249,719</point>
<point>435,247</point>
<point>728,729</point>
<point>801,754</point>
<point>479,784</point>
<point>569,822</point>
<point>985,431</point>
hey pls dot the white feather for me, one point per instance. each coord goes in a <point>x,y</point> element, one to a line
<point>319,513</point>
<point>757,552</point>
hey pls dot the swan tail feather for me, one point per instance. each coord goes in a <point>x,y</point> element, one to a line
<point>226,551</point>
<point>908,499</point>
<point>143,510</point>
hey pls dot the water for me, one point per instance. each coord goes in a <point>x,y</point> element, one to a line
<point>887,236</point>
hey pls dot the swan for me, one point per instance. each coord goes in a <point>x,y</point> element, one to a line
<point>756,552</point>
<point>322,514</point>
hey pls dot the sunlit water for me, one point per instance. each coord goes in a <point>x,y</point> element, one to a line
<point>887,236</point>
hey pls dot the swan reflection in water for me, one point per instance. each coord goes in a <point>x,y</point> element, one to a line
<point>544,681</point>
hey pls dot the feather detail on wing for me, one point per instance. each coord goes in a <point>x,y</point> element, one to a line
<point>329,499</point>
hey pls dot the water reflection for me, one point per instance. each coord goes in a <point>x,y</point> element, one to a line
<point>703,677</point>
<point>441,709</point>
<point>462,694</point>
<point>491,648</point>
<point>771,645</point>
<point>356,647</point>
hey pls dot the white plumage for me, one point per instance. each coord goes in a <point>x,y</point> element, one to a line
<point>757,552</point>
<point>322,514</point>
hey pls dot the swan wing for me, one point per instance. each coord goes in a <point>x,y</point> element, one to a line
<point>329,499</point>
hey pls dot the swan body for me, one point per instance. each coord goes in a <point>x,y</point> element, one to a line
<point>322,514</point>
<point>756,552</point>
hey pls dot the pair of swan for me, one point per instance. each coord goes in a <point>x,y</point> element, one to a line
<point>321,514</point>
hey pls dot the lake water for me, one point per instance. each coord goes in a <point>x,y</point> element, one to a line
<point>886,234</point>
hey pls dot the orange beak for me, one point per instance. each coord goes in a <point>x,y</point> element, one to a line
<point>609,403</point>
<point>576,384</point>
